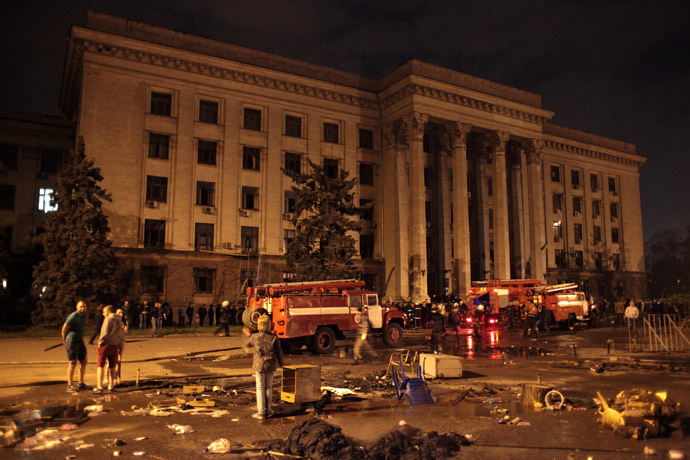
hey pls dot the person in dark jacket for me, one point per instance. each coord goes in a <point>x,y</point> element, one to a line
<point>211,314</point>
<point>267,357</point>
<point>222,319</point>
<point>202,314</point>
<point>437,329</point>
<point>190,314</point>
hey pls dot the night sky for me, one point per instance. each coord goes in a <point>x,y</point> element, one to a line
<point>620,69</point>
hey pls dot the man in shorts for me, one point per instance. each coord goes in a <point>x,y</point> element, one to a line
<point>112,333</point>
<point>73,340</point>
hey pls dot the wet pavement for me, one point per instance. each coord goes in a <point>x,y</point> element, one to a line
<point>494,367</point>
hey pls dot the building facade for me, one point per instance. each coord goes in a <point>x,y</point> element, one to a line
<point>468,178</point>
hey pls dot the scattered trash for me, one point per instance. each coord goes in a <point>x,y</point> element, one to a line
<point>117,453</point>
<point>649,451</point>
<point>554,400</point>
<point>338,391</point>
<point>598,368</point>
<point>69,426</point>
<point>192,389</point>
<point>415,388</point>
<point>94,408</point>
<point>492,401</point>
<point>181,429</point>
<point>139,453</point>
<point>676,455</point>
<point>220,446</point>
<point>637,413</point>
<point>119,442</point>
<point>83,446</point>
<point>140,438</point>
<point>201,403</point>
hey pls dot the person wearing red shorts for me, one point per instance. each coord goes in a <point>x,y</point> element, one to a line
<point>112,333</point>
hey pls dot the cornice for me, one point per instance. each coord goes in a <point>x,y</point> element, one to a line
<point>459,99</point>
<point>591,153</point>
<point>217,71</point>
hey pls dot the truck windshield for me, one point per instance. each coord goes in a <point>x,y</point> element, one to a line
<point>356,301</point>
<point>372,300</point>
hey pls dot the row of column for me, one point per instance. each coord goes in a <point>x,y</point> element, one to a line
<point>404,227</point>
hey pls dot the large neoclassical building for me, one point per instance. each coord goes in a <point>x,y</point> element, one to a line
<point>468,178</point>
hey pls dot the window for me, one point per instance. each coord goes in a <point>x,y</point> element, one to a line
<point>208,112</point>
<point>161,104</point>
<point>288,236</point>
<point>250,197</point>
<point>290,204</point>
<point>612,186</point>
<point>615,237</point>
<point>152,279</point>
<point>203,237</point>
<point>575,178</point>
<point>203,280</point>
<point>206,152</point>
<point>613,211</point>
<point>205,193</point>
<point>557,231</point>
<point>159,145</point>
<point>250,158</point>
<point>7,196</point>
<point>596,208</point>
<point>616,261</point>
<point>154,233</point>
<point>559,255</point>
<point>252,119</point>
<point>330,133</point>
<point>293,162</point>
<point>293,126</point>
<point>366,139</point>
<point>366,173</point>
<point>557,202</point>
<point>45,196</point>
<point>331,167</point>
<point>366,246</point>
<point>368,214</point>
<point>579,259</point>
<point>577,233</point>
<point>427,212</point>
<point>427,177</point>
<point>555,173</point>
<point>577,205</point>
<point>250,239</point>
<point>597,234</point>
<point>598,260</point>
<point>594,182</point>
<point>50,161</point>
<point>156,188</point>
<point>289,277</point>
<point>8,157</point>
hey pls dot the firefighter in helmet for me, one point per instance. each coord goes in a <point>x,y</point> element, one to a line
<point>531,320</point>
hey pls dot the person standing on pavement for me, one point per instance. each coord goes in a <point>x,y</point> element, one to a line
<point>73,340</point>
<point>181,313</point>
<point>143,314</point>
<point>202,314</point>
<point>121,347</point>
<point>155,318</point>
<point>267,357</point>
<point>112,333</point>
<point>531,320</point>
<point>619,309</point>
<point>222,319</point>
<point>361,340</point>
<point>190,314</point>
<point>545,315</point>
<point>437,329</point>
<point>211,314</point>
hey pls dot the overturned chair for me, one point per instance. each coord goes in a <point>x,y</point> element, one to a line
<point>415,388</point>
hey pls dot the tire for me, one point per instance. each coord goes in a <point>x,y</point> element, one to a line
<point>393,336</point>
<point>570,323</point>
<point>323,341</point>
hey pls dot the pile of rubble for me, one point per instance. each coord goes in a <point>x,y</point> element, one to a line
<point>638,414</point>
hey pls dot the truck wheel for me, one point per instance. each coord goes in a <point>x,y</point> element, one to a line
<point>324,340</point>
<point>393,336</point>
<point>570,323</point>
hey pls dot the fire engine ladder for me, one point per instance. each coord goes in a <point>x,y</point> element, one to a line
<point>658,333</point>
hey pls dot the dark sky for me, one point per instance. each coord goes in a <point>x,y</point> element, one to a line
<point>620,69</point>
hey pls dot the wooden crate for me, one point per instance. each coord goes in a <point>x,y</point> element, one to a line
<point>301,383</point>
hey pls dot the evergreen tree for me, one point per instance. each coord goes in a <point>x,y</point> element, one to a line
<point>322,249</point>
<point>78,261</point>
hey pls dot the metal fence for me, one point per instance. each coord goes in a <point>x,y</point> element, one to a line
<point>657,333</point>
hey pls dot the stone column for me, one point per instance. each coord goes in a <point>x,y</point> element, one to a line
<point>394,232</point>
<point>497,145</point>
<point>517,212</point>
<point>414,124</point>
<point>537,230</point>
<point>461,221</point>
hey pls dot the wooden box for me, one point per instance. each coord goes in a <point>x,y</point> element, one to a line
<point>301,383</point>
<point>438,366</point>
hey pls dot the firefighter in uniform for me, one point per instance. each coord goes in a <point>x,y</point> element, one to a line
<point>438,329</point>
<point>361,343</point>
<point>531,320</point>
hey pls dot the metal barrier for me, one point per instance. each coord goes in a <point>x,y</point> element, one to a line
<point>658,333</point>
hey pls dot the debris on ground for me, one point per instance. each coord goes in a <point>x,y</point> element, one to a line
<point>219,446</point>
<point>638,414</point>
<point>320,440</point>
<point>181,429</point>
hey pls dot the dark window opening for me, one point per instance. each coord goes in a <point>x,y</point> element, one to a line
<point>50,161</point>
<point>557,202</point>
<point>368,214</point>
<point>250,239</point>
<point>154,233</point>
<point>208,112</point>
<point>159,145</point>
<point>577,205</point>
<point>152,279</point>
<point>559,255</point>
<point>203,280</point>
<point>594,182</point>
<point>9,155</point>
<point>206,152</point>
<point>161,104</point>
<point>575,178</point>
<point>615,237</point>
<point>250,197</point>
<point>555,173</point>
<point>293,162</point>
<point>6,196</point>
<point>366,139</point>
<point>250,158</point>
<point>331,167</point>
<point>293,126</point>
<point>330,133</point>
<point>156,188</point>
<point>205,193</point>
<point>597,234</point>
<point>252,119</point>
<point>366,246</point>
<point>290,204</point>
<point>203,237</point>
<point>366,174</point>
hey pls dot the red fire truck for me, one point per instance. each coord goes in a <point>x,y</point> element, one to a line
<point>316,313</point>
<point>567,305</point>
